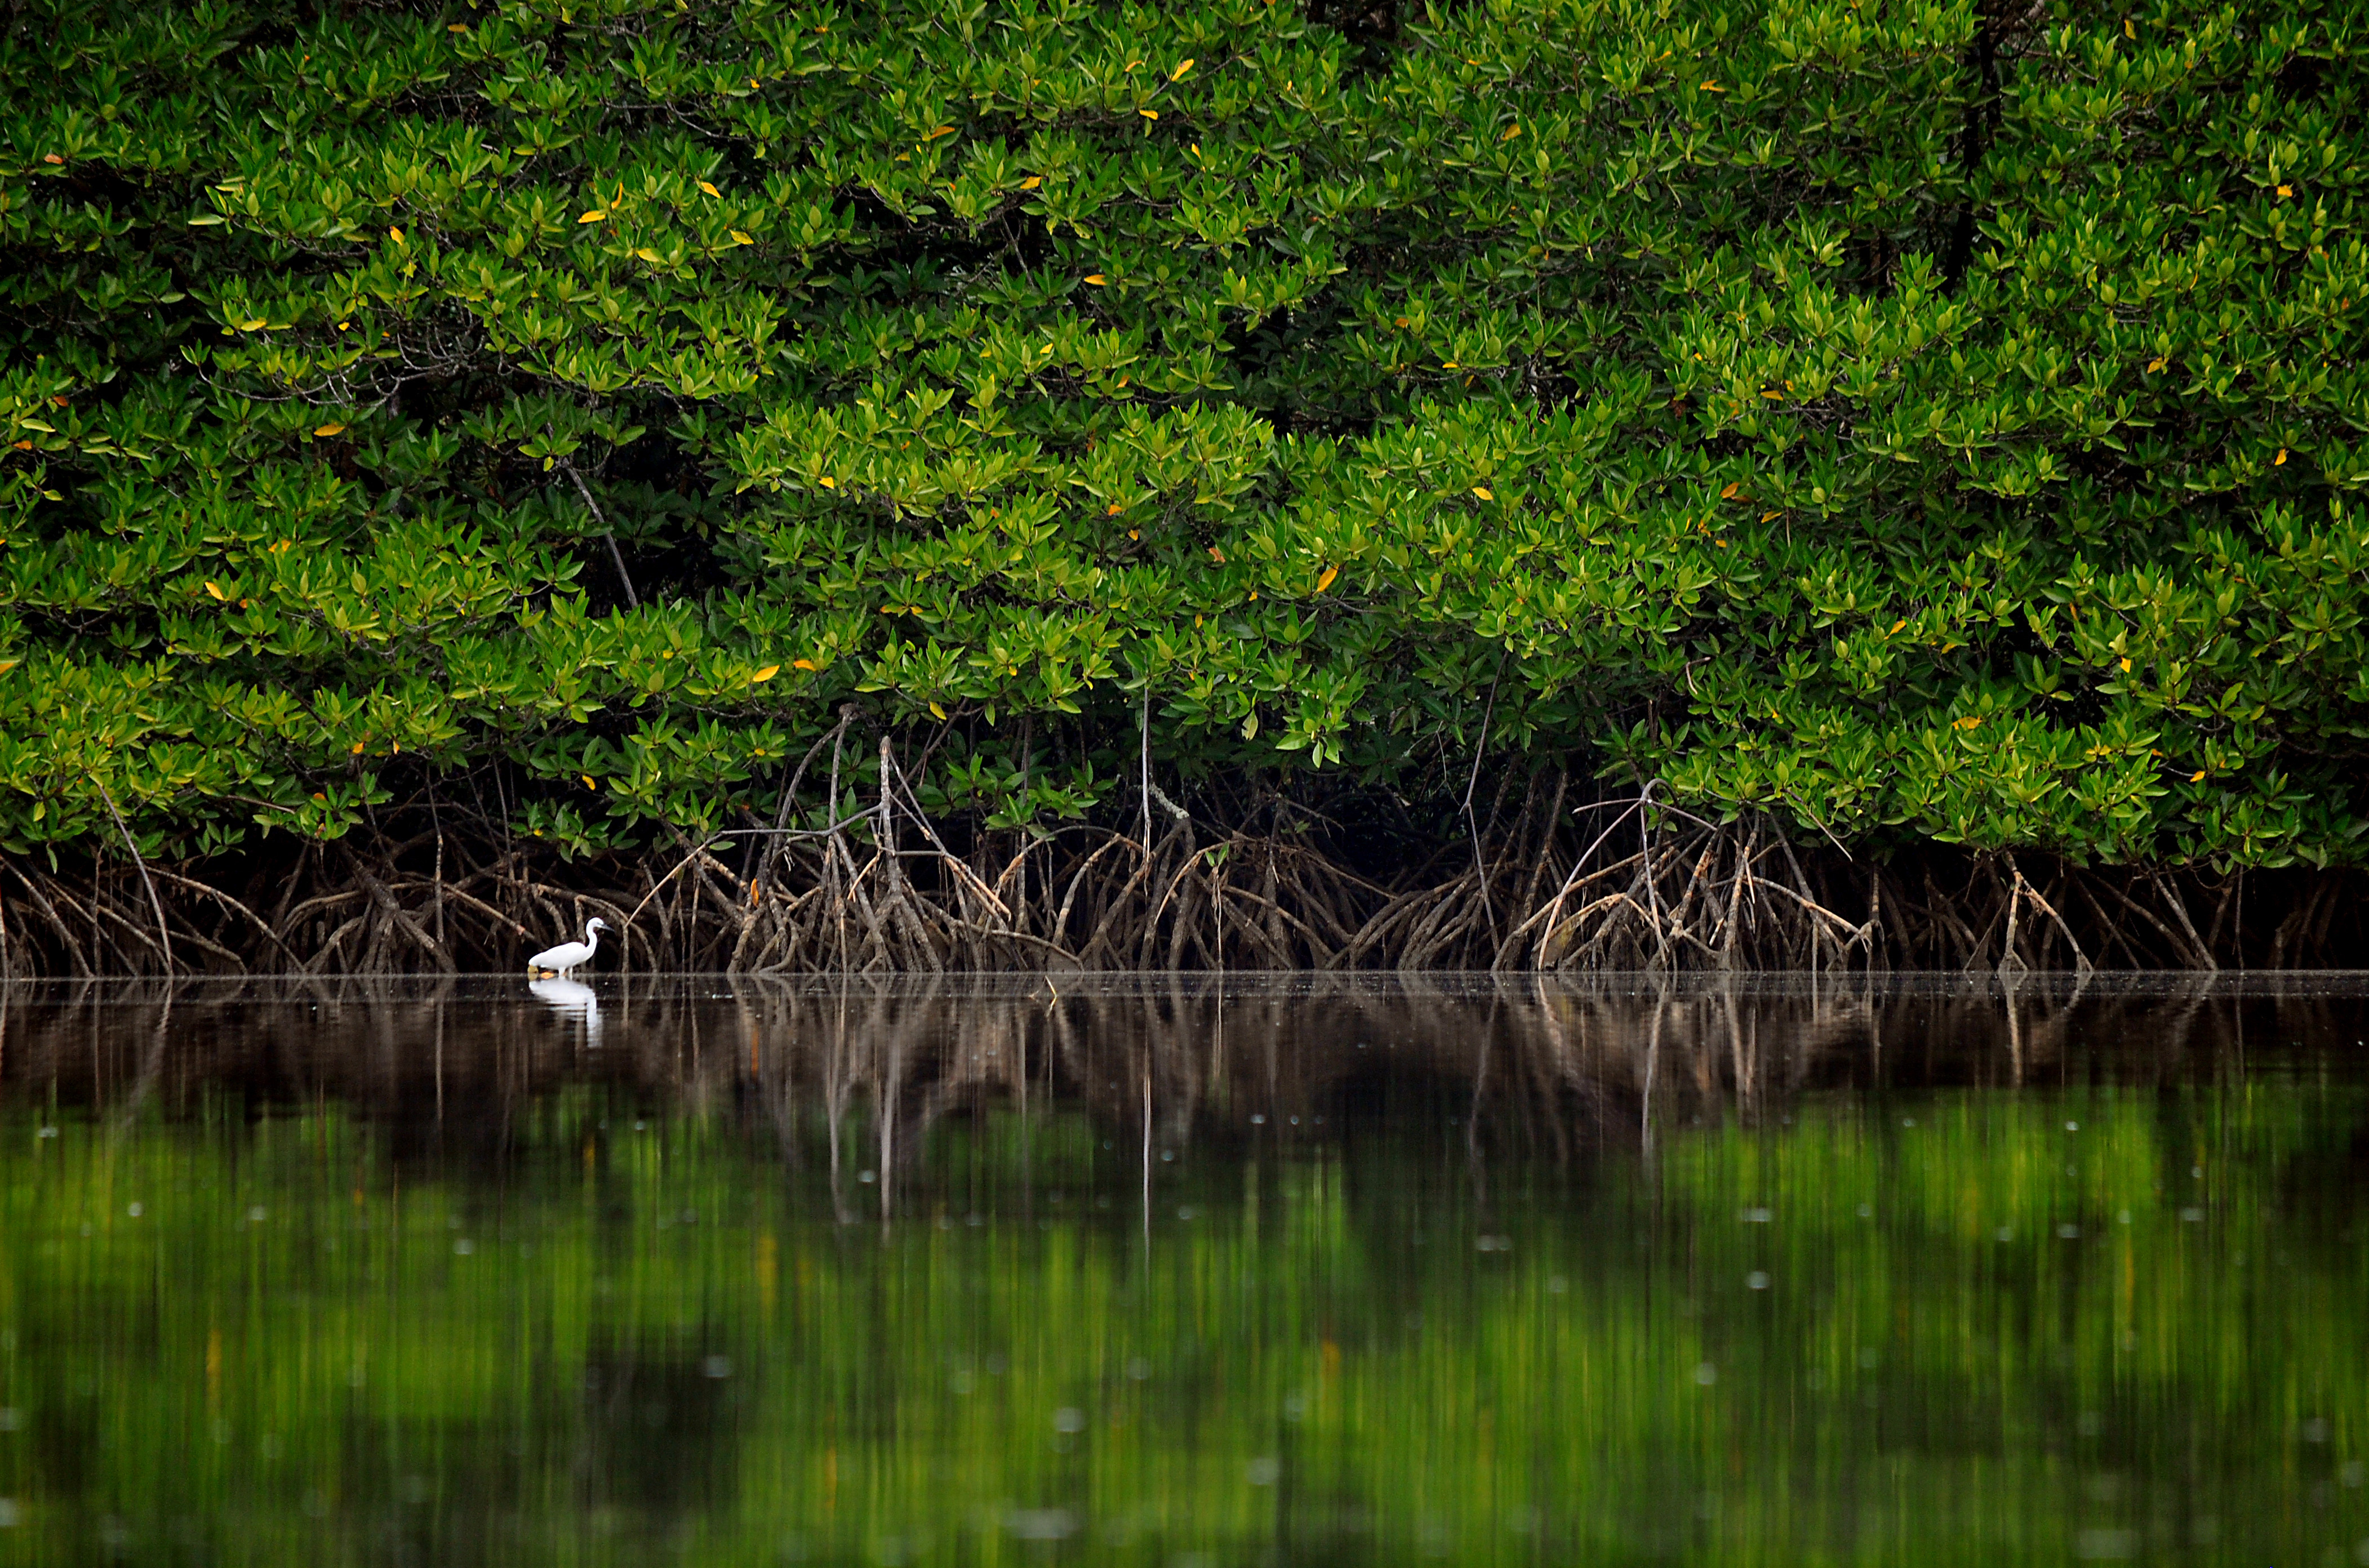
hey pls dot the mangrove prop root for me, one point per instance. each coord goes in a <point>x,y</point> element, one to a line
<point>880,886</point>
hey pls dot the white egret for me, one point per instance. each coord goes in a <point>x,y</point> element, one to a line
<point>559,960</point>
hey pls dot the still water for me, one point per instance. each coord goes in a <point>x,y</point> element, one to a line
<point>1157,1273</point>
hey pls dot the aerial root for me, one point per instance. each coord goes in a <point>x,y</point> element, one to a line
<point>1626,882</point>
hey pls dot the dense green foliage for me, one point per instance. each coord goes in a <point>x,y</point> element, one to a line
<point>1924,421</point>
<point>231,1331</point>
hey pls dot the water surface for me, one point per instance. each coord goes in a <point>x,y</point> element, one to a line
<point>1154,1272</point>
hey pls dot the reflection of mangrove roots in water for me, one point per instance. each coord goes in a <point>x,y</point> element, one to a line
<point>856,1074</point>
<point>1540,881</point>
<point>1551,1064</point>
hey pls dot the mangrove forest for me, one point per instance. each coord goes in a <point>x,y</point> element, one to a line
<point>949,485</point>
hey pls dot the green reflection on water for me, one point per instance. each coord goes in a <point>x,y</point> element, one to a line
<point>589,1323</point>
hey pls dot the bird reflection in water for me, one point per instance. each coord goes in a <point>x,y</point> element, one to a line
<point>571,998</point>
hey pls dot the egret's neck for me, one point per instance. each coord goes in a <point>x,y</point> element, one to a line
<point>591,939</point>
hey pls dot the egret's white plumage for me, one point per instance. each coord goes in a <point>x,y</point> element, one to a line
<point>559,960</point>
